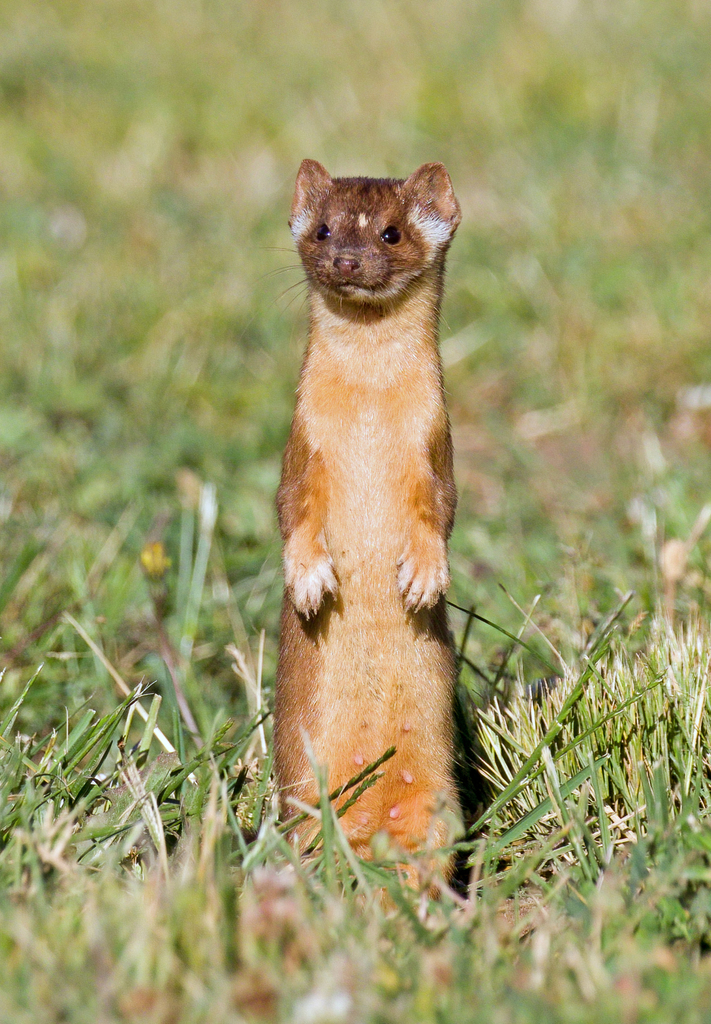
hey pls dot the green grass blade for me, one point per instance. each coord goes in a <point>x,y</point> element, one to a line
<point>554,671</point>
<point>9,719</point>
<point>530,820</point>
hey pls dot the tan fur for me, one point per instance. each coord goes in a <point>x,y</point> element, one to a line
<point>366,505</point>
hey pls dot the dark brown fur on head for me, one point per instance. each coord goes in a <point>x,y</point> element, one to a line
<point>366,240</point>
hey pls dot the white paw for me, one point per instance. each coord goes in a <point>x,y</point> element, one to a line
<point>307,584</point>
<point>422,582</point>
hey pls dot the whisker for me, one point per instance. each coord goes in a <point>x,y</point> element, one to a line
<point>303,300</point>
<point>303,296</point>
<point>294,297</point>
<point>279,270</point>
<point>291,287</point>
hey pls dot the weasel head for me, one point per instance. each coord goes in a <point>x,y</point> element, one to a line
<point>365,240</point>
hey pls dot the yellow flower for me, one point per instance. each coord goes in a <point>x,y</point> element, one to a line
<point>154,560</point>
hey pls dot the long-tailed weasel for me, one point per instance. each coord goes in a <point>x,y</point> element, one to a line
<point>366,505</point>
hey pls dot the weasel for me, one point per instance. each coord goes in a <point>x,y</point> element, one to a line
<point>366,505</point>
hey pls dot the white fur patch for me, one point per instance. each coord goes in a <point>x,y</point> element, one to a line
<point>434,231</point>
<point>362,220</point>
<point>300,224</point>
<point>308,585</point>
<point>421,585</point>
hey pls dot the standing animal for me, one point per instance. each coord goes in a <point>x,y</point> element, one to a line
<point>366,505</point>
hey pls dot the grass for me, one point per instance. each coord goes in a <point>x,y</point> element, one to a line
<point>151,325</point>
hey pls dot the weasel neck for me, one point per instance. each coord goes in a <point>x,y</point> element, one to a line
<point>407,323</point>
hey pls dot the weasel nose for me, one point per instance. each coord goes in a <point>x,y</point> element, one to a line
<point>346,265</point>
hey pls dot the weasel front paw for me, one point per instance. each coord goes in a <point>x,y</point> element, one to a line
<point>423,574</point>
<point>309,579</point>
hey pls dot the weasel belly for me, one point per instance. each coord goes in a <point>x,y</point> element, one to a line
<point>366,674</point>
<point>383,668</point>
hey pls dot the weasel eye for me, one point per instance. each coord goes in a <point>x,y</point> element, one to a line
<point>391,235</point>
<point>323,233</point>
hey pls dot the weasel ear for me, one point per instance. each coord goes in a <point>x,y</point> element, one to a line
<point>311,182</point>
<point>434,209</point>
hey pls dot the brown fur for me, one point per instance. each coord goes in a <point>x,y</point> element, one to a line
<point>366,506</point>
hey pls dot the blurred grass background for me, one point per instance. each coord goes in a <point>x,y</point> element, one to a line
<point>149,340</point>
